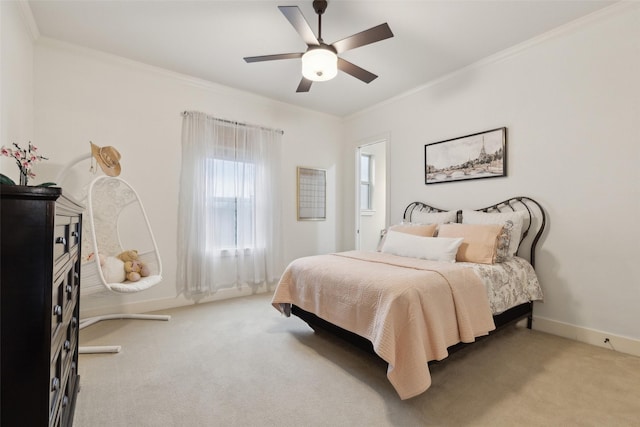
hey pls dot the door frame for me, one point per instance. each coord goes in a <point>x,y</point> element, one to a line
<point>382,139</point>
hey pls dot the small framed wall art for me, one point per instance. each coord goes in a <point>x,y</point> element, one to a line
<point>476,156</point>
<point>312,194</point>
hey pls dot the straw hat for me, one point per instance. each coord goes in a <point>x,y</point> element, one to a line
<point>108,158</point>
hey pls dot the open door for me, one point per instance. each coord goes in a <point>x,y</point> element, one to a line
<point>371,194</point>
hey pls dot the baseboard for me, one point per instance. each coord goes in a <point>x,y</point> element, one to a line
<point>590,336</point>
<point>148,306</point>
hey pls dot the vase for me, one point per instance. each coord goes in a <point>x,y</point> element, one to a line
<point>24,178</point>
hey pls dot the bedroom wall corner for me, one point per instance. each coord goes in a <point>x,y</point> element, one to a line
<point>570,102</point>
<point>84,95</point>
<point>16,82</point>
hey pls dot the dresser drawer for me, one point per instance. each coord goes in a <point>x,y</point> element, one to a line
<point>57,306</point>
<point>74,233</point>
<point>68,400</point>
<point>69,296</point>
<point>55,384</point>
<point>61,236</point>
<point>74,280</point>
<point>69,346</point>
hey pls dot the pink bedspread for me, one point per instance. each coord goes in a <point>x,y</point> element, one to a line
<point>410,309</point>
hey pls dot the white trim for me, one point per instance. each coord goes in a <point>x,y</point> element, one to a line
<point>147,306</point>
<point>568,28</point>
<point>183,78</point>
<point>590,336</point>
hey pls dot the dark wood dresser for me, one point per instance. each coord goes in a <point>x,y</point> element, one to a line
<point>40,290</point>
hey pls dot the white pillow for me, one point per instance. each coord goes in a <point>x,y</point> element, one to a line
<point>511,221</point>
<point>419,217</point>
<point>113,269</point>
<point>424,230</point>
<point>430,248</point>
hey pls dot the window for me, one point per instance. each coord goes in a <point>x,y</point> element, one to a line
<point>366,182</point>
<point>231,200</point>
<point>229,216</point>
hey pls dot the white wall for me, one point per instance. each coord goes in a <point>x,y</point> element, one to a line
<point>83,96</point>
<point>571,103</point>
<point>16,83</point>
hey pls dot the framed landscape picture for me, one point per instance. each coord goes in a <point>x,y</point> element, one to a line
<point>476,156</point>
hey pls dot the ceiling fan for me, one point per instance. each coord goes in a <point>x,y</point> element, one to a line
<point>320,62</point>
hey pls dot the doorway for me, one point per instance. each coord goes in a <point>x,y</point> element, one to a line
<point>371,194</point>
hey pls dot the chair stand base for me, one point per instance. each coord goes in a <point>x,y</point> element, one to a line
<point>95,349</point>
<point>113,348</point>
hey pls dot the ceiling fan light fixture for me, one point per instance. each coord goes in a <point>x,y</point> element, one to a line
<point>319,65</point>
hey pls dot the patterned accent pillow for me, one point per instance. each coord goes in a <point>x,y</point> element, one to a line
<point>504,239</point>
<point>512,222</point>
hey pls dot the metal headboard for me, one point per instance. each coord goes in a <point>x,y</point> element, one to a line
<point>532,228</point>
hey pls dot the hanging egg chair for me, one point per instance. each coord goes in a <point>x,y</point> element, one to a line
<point>115,221</point>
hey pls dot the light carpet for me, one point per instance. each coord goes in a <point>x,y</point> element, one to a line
<point>240,363</point>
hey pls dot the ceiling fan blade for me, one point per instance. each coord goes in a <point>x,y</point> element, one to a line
<point>273,57</point>
<point>305,85</point>
<point>363,38</point>
<point>296,18</point>
<point>355,71</point>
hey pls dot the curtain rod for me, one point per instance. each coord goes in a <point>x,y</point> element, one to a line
<point>185,113</point>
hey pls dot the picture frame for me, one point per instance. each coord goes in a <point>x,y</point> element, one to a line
<point>477,156</point>
<point>311,194</point>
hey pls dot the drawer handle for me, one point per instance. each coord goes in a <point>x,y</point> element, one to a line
<point>76,276</point>
<point>73,366</point>
<point>65,401</point>
<point>57,310</point>
<point>74,234</point>
<point>61,241</point>
<point>69,289</point>
<point>55,383</point>
<point>67,345</point>
<point>74,322</point>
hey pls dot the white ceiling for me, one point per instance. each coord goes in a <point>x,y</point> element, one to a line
<point>208,39</point>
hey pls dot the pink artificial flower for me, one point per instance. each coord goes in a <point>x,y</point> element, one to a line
<point>24,158</point>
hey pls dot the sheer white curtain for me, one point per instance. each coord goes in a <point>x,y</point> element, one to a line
<point>229,230</point>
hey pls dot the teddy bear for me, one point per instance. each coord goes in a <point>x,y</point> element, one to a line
<point>134,268</point>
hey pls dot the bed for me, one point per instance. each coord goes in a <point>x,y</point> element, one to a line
<point>439,280</point>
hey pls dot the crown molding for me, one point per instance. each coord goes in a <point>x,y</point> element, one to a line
<point>163,72</point>
<point>28,19</point>
<point>623,6</point>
